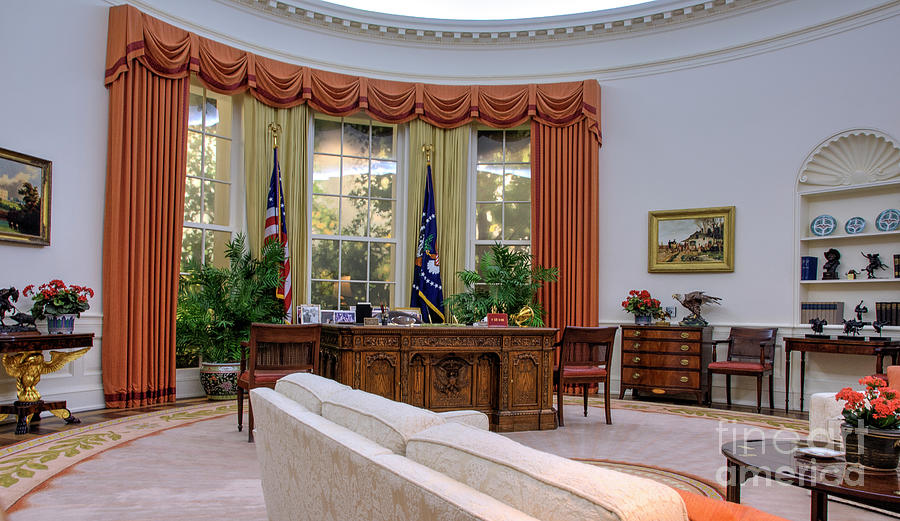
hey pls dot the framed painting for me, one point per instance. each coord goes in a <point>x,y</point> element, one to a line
<point>694,240</point>
<point>24,198</point>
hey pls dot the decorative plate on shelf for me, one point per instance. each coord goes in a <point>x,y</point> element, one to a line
<point>888,220</point>
<point>855,225</point>
<point>823,225</point>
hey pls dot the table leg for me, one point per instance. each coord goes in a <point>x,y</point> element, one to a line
<point>818,506</point>
<point>802,376</point>
<point>787,378</point>
<point>733,493</point>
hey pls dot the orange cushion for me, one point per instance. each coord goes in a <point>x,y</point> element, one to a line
<point>585,371</point>
<point>740,366</point>
<point>264,376</point>
<point>700,508</point>
<point>893,376</point>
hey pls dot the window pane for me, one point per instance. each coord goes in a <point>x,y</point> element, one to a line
<point>518,222</point>
<point>490,146</point>
<point>356,139</point>
<point>383,142</point>
<point>191,240</point>
<point>218,113</point>
<point>354,260</point>
<point>355,177</point>
<point>518,146</point>
<point>326,174</point>
<point>354,216</point>
<point>383,175</point>
<point>194,154</point>
<point>327,137</point>
<point>324,294</point>
<point>480,250</point>
<point>324,259</point>
<point>217,203</point>
<point>488,221</point>
<point>215,247</point>
<point>518,183</point>
<point>195,109</point>
<point>351,293</point>
<point>217,163</point>
<point>324,214</point>
<point>192,200</point>
<point>381,295</point>
<point>487,183</point>
<point>381,261</point>
<point>382,218</point>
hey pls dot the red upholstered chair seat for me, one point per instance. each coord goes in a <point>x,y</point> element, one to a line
<point>584,371</point>
<point>740,366</point>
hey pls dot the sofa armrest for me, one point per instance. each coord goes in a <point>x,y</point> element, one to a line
<point>476,419</point>
<point>893,376</point>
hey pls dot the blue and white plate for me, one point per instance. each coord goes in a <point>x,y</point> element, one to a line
<point>823,225</point>
<point>888,220</point>
<point>855,225</point>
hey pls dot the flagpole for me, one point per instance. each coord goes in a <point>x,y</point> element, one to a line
<point>428,149</point>
<point>275,129</point>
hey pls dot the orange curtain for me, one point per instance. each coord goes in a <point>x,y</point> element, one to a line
<point>146,164</point>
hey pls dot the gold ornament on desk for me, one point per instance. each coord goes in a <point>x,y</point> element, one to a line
<point>524,316</point>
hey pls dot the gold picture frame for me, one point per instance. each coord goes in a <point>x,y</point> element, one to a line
<point>692,240</point>
<point>24,198</point>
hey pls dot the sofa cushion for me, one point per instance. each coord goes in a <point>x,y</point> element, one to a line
<point>474,418</point>
<point>542,485</point>
<point>383,421</point>
<point>308,389</point>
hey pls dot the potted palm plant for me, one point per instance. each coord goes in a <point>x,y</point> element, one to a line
<point>217,305</point>
<point>507,281</point>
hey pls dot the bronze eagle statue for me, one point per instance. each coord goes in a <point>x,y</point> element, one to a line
<point>693,301</point>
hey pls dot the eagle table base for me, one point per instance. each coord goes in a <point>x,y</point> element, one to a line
<point>29,413</point>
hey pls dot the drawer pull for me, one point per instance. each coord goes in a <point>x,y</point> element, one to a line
<point>636,359</point>
<point>635,345</point>
<point>685,334</point>
<point>635,333</point>
<point>685,347</point>
<point>635,376</point>
<point>684,379</point>
<point>684,361</point>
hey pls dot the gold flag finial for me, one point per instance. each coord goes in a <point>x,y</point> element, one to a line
<point>275,129</point>
<point>428,149</point>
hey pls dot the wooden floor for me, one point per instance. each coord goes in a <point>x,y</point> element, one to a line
<point>51,424</point>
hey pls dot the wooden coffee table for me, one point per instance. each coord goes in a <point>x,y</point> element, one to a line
<point>775,459</point>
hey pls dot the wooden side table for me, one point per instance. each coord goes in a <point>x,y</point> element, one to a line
<point>23,359</point>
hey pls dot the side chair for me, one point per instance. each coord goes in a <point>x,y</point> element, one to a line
<point>584,358</point>
<point>276,350</point>
<point>751,352</point>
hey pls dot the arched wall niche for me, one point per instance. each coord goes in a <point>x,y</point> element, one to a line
<point>851,157</point>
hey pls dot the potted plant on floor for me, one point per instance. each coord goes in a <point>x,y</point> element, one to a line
<point>217,305</point>
<point>871,428</point>
<point>507,281</point>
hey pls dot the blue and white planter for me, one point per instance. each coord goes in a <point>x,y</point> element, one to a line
<point>61,324</point>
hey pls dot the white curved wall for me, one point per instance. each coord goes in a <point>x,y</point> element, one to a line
<point>712,113</point>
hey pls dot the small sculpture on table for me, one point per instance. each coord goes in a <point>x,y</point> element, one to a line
<point>874,264</point>
<point>24,321</point>
<point>877,325</point>
<point>829,269</point>
<point>818,326</point>
<point>851,329</point>
<point>860,309</point>
<point>692,302</point>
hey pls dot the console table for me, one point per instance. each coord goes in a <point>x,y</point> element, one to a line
<point>23,359</point>
<point>877,348</point>
<point>505,372</point>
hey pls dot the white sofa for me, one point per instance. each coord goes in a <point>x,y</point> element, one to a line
<point>327,452</point>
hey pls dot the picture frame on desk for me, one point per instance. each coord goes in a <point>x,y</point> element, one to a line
<point>691,240</point>
<point>344,317</point>
<point>310,313</point>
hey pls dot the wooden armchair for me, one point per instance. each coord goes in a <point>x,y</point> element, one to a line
<point>584,356</point>
<point>751,352</point>
<point>276,350</point>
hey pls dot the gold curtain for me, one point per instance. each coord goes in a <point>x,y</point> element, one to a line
<point>292,154</point>
<point>449,171</point>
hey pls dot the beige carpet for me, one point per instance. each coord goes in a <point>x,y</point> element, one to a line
<point>207,470</point>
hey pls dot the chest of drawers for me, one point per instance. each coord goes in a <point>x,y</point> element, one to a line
<point>665,360</point>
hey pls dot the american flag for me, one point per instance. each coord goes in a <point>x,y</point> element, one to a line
<point>276,200</point>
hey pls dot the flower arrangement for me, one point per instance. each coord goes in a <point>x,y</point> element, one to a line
<point>878,406</point>
<point>641,303</point>
<point>55,298</point>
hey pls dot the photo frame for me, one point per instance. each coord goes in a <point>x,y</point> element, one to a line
<point>24,198</point>
<point>344,317</point>
<point>310,313</point>
<point>691,240</point>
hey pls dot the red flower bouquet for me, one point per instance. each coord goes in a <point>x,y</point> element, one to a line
<point>878,406</point>
<point>641,303</point>
<point>55,298</point>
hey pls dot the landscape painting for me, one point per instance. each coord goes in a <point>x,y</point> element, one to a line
<point>24,198</point>
<point>699,239</point>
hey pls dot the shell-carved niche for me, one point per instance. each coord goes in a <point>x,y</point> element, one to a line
<point>850,158</point>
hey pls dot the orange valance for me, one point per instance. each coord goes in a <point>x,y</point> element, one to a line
<point>174,53</point>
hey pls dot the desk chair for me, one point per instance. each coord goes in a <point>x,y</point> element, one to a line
<point>584,356</point>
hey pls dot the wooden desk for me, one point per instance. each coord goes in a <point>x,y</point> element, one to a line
<point>505,372</point>
<point>877,348</point>
<point>23,359</point>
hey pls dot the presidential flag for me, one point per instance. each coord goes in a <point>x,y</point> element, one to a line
<point>427,291</point>
<point>275,217</point>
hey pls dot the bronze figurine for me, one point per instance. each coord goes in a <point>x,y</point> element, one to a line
<point>874,264</point>
<point>829,269</point>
